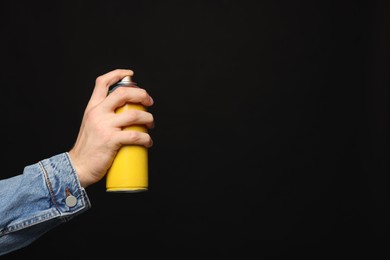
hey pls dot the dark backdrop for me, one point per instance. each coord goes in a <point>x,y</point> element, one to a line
<point>271,136</point>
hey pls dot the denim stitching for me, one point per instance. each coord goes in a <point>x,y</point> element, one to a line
<point>49,185</point>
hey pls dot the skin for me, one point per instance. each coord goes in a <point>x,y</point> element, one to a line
<point>100,135</point>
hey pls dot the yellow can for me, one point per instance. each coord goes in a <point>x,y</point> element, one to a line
<point>129,170</point>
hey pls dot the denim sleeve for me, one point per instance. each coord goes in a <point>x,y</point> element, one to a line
<point>45,195</point>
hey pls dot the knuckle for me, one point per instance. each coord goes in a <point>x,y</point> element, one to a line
<point>99,80</point>
<point>143,94</point>
<point>132,115</point>
<point>104,133</point>
<point>106,136</point>
<point>134,136</point>
<point>91,114</point>
<point>121,91</point>
<point>88,115</point>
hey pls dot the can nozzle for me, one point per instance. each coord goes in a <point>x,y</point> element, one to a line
<point>126,81</point>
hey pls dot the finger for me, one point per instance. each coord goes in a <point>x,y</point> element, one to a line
<point>130,137</point>
<point>103,82</point>
<point>133,117</point>
<point>123,95</point>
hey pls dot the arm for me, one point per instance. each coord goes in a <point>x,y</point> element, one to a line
<point>52,191</point>
<point>45,195</point>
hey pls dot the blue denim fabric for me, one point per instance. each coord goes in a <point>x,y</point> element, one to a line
<point>33,203</point>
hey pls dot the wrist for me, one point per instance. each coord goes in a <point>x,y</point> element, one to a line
<point>80,173</point>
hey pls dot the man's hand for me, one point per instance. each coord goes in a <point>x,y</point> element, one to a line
<point>101,135</point>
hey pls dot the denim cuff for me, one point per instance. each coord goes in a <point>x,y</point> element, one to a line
<point>64,186</point>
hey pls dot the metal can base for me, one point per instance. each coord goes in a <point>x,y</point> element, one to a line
<point>126,190</point>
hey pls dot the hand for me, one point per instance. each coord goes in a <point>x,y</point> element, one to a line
<point>101,135</point>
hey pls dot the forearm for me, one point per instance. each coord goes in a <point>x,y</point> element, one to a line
<point>45,195</point>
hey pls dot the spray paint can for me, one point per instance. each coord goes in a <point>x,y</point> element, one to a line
<point>129,170</point>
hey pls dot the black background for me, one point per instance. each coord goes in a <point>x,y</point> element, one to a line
<point>271,137</point>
